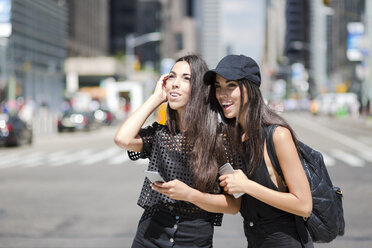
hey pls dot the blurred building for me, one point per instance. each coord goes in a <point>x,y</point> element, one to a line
<point>274,35</point>
<point>148,20</point>
<point>122,22</point>
<point>318,48</point>
<point>88,46</point>
<point>326,41</point>
<point>297,40</point>
<point>33,54</point>
<point>186,26</point>
<point>208,16</point>
<point>88,28</point>
<point>366,100</point>
<point>274,66</point>
<point>179,31</point>
<point>287,55</point>
<point>345,45</point>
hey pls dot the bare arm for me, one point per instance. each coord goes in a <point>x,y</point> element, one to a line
<point>215,203</point>
<point>298,200</point>
<point>127,137</point>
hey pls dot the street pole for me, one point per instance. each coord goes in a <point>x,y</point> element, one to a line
<point>367,82</point>
<point>4,69</point>
<point>129,54</point>
<point>132,42</point>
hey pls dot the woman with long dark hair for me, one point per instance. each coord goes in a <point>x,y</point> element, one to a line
<point>270,204</point>
<point>183,152</point>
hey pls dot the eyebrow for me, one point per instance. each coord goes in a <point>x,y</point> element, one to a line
<point>184,74</point>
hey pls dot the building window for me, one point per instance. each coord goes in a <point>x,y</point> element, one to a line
<point>190,8</point>
<point>179,41</point>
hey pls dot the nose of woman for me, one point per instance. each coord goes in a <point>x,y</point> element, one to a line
<point>175,83</point>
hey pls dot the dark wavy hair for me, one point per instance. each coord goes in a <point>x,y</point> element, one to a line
<point>200,122</point>
<point>256,116</point>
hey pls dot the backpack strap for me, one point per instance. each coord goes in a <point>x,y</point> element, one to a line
<point>271,150</point>
<point>300,224</point>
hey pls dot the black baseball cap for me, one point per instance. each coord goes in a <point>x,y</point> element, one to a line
<point>235,67</point>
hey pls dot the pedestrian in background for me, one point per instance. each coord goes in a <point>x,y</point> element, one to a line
<point>269,204</point>
<point>183,151</point>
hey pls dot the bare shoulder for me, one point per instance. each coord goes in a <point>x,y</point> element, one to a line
<point>282,135</point>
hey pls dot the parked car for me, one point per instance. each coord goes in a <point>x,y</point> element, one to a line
<point>104,116</point>
<point>73,121</point>
<point>14,131</point>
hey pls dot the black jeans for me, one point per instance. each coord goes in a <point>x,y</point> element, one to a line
<point>166,230</point>
<point>269,235</point>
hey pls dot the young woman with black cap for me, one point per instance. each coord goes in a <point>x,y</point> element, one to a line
<point>269,205</point>
<point>183,152</point>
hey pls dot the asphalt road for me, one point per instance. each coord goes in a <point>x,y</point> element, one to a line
<point>80,190</point>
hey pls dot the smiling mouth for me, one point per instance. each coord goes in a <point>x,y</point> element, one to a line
<point>174,95</point>
<point>226,106</point>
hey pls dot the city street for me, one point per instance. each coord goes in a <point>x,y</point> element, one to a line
<point>80,190</point>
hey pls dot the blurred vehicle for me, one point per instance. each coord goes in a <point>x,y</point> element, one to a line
<point>277,106</point>
<point>296,104</point>
<point>14,131</point>
<point>336,104</point>
<point>104,116</point>
<point>73,121</point>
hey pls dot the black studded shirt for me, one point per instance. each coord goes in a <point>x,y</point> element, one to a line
<point>169,155</point>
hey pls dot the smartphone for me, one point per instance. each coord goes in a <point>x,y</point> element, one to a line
<point>154,176</point>
<point>228,169</point>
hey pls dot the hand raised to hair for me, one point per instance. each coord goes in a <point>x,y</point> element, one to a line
<point>160,88</point>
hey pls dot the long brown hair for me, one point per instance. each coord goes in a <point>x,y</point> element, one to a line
<point>257,116</point>
<point>200,123</point>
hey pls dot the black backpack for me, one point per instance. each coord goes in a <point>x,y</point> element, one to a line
<point>327,218</point>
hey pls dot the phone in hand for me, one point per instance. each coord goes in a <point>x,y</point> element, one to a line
<point>228,169</point>
<point>154,176</point>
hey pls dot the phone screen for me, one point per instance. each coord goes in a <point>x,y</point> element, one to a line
<point>154,176</point>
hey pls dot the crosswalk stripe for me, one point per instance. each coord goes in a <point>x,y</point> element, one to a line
<point>31,160</point>
<point>98,157</point>
<point>47,159</point>
<point>56,156</point>
<point>328,161</point>
<point>347,158</point>
<point>366,156</point>
<point>119,159</point>
<point>115,156</point>
<point>7,161</point>
<point>4,154</point>
<point>326,132</point>
<point>72,157</point>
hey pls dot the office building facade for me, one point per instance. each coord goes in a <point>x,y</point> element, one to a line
<point>35,51</point>
<point>88,32</point>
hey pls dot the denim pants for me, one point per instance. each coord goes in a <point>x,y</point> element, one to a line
<point>167,230</point>
<point>270,235</point>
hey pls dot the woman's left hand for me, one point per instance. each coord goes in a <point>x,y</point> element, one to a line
<point>234,183</point>
<point>174,189</point>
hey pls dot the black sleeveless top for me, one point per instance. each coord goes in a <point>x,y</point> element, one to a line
<point>260,217</point>
<point>169,155</point>
<point>254,210</point>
